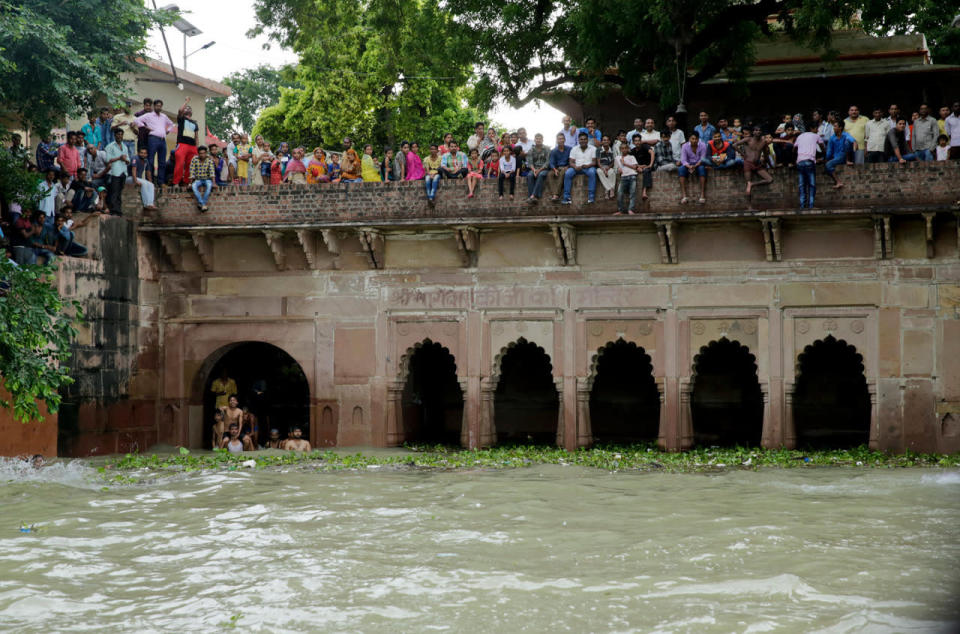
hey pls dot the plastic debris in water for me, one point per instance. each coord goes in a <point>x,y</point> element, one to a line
<point>249,464</point>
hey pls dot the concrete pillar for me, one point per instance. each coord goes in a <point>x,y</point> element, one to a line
<point>789,426</point>
<point>670,410</point>
<point>567,414</point>
<point>685,430</point>
<point>488,433</point>
<point>394,414</point>
<point>469,429</point>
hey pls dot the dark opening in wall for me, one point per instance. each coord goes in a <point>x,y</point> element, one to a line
<point>269,382</point>
<point>831,403</point>
<point>727,404</point>
<point>526,404</point>
<point>624,400</point>
<point>432,398</point>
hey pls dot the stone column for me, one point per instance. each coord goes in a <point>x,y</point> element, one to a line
<point>394,436</point>
<point>487,436</point>
<point>768,437</point>
<point>468,433</point>
<point>563,435</point>
<point>789,426</point>
<point>584,428</point>
<point>685,432</point>
<point>874,416</point>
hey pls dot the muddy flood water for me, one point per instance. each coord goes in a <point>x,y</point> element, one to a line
<point>541,549</point>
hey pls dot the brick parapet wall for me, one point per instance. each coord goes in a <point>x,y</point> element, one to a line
<point>879,187</point>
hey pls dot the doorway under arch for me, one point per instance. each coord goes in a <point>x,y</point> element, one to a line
<point>727,404</point>
<point>432,398</point>
<point>526,404</point>
<point>269,382</point>
<point>624,399</point>
<point>831,402</point>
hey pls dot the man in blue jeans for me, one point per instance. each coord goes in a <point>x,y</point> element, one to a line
<point>841,150</point>
<point>807,145</point>
<point>895,145</point>
<point>158,126</point>
<point>202,174</point>
<point>583,161</point>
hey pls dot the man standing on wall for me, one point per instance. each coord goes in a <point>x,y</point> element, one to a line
<point>117,161</point>
<point>187,133</point>
<point>158,126</point>
<point>855,125</point>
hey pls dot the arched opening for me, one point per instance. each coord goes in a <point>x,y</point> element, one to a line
<point>432,398</point>
<point>526,405</point>
<point>624,400</point>
<point>831,403</point>
<point>270,383</point>
<point>727,405</point>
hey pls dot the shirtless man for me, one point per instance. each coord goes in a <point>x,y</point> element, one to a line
<point>296,442</point>
<point>250,427</point>
<point>756,157</point>
<point>219,428</point>
<point>232,412</point>
<point>232,442</point>
<point>275,442</point>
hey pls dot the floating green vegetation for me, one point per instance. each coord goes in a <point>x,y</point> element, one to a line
<point>612,458</point>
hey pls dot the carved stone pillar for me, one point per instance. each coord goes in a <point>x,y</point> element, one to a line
<point>874,416</point>
<point>465,418</point>
<point>768,435</point>
<point>558,383</point>
<point>584,428</point>
<point>685,433</point>
<point>488,430</point>
<point>789,427</point>
<point>394,414</point>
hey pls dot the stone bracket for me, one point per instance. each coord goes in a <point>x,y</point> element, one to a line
<point>204,247</point>
<point>928,221</point>
<point>276,243</point>
<point>173,250</point>
<point>373,242</point>
<point>667,232</point>
<point>332,241</point>
<point>882,238</point>
<point>771,239</point>
<point>308,242</point>
<point>468,241</point>
<point>565,239</point>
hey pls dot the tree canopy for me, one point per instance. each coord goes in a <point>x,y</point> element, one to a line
<point>376,70</point>
<point>253,90</point>
<point>56,56</point>
<point>529,47</point>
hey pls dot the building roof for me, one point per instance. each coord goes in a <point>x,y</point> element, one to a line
<point>210,87</point>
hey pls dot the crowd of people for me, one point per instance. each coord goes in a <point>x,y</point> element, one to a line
<point>237,429</point>
<point>116,147</point>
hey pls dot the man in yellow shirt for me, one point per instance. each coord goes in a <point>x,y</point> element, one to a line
<point>856,126</point>
<point>223,388</point>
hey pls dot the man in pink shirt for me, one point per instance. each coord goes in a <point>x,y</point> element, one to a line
<point>158,126</point>
<point>69,156</point>
<point>807,145</point>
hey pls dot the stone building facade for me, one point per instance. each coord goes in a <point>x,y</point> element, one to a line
<point>485,321</point>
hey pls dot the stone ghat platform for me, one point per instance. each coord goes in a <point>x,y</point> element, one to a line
<point>869,189</point>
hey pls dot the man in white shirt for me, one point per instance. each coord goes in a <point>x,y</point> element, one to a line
<point>677,139</point>
<point>583,160</point>
<point>626,165</point>
<point>637,129</point>
<point>48,203</point>
<point>951,127</point>
<point>807,145</point>
<point>874,134</point>
<point>473,142</point>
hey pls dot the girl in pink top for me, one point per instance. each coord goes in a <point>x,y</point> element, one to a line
<point>415,171</point>
<point>296,171</point>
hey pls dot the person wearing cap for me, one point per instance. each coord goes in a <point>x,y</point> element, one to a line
<point>117,161</point>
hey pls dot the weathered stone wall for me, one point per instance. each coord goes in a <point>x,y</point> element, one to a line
<point>349,279</point>
<point>27,439</point>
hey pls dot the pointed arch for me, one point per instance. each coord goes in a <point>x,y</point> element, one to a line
<point>624,398</point>
<point>831,400</point>
<point>726,403</point>
<point>432,399</point>
<point>526,401</point>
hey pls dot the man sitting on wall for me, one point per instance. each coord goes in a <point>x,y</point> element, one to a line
<point>296,441</point>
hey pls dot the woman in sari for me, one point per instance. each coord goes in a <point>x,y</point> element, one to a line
<point>488,144</point>
<point>369,168</point>
<point>350,167</point>
<point>415,171</point>
<point>256,173</point>
<point>317,168</point>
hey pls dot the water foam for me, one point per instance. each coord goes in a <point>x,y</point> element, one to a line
<point>76,473</point>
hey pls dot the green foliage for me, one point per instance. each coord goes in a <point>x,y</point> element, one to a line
<point>253,90</point>
<point>36,327</point>
<point>531,48</point>
<point>16,184</point>
<point>379,71</point>
<point>55,56</point>
<point>639,457</point>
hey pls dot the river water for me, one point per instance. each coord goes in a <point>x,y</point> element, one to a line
<point>542,549</point>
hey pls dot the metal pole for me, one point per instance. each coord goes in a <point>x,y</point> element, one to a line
<point>184,51</point>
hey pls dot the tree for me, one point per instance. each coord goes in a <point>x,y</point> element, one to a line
<point>253,90</point>
<point>54,60</point>
<point>658,48</point>
<point>377,70</point>
<point>36,327</point>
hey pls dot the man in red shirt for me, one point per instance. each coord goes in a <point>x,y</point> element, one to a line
<point>721,156</point>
